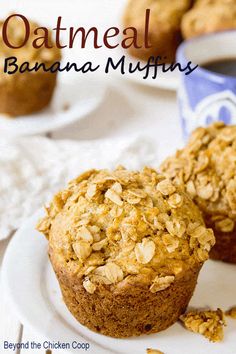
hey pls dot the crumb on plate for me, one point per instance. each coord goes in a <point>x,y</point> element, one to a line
<point>231,312</point>
<point>154,351</point>
<point>208,323</point>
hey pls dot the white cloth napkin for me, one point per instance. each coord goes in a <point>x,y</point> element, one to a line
<point>32,169</point>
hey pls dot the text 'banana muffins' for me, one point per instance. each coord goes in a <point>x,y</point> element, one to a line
<point>127,248</point>
<point>164,29</point>
<point>206,169</point>
<point>28,92</point>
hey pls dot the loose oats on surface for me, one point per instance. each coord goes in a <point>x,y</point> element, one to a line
<point>154,351</point>
<point>208,323</point>
<point>231,312</point>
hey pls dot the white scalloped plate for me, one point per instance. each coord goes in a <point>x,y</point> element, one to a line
<point>75,97</point>
<point>31,287</point>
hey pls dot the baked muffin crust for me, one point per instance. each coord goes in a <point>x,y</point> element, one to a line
<point>205,169</point>
<point>122,236</point>
<point>126,223</point>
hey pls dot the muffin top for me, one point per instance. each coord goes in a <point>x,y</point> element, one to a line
<point>214,2</point>
<point>120,226</point>
<point>205,168</point>
<point>16,36</point>
<point>165,13</point>
<point>209,16</point>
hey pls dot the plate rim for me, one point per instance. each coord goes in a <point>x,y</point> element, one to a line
<point>11,132</point>
<point>20,314</point>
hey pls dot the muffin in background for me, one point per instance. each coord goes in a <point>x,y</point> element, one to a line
<point>164,31</point>
<point>205,169</point>
<point>209,16</point>
<point>127,248</point>
<point>28,92</point>
<point>214,2</point>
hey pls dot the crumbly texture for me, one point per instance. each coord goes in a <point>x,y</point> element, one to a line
<point>231,312</point>
<point>205,169</point>
<point>127,248</point>
<point>209,16</point>
<point>164,30</point>
<point>29,92</point>
<point>154,351</point>
<point>208,323</point>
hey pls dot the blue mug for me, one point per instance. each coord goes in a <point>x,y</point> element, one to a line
<point>205,96</point>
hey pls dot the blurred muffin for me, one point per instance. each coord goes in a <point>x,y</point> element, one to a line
<point>214,2</point>
<point>127,248</point>
<point>164,31</point>
<point>209,16</point>
<point>28,92</point>
<point>205,169</point>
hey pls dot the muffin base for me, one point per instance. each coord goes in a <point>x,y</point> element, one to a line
<point>225,247</point>
<point>26,93</point>
<point>130,310</point>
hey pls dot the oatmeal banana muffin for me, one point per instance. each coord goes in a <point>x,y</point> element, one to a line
<point>164,30</point>
<point>127,248</point>
<point>28,92</point>
<point>206,170</point>
<point>209,16</point>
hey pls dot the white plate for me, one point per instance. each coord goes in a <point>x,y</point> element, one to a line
<point>167,81</point>
<point>80,95</point>
<point>31,287</point>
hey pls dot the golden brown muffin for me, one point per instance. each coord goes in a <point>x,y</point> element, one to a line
<point>28,92</point>
<point>164,31</point>
<point>206,170</point>
<point>209,16</point>
<point>214,2</point>
<point>127,248</point>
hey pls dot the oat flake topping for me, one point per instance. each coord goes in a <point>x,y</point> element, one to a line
<point>111,225</point>
<point>205,169</point>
